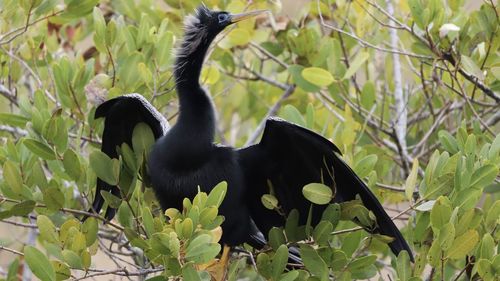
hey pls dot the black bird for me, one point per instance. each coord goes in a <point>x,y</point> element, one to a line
<point>185,156</point>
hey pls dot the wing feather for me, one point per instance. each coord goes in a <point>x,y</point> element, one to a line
<point>289,157</point>
<point>122,115</point>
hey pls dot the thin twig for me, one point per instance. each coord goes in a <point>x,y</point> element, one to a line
<point>11,250</point>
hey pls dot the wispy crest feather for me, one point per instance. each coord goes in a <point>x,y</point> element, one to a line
<point>195,31</point>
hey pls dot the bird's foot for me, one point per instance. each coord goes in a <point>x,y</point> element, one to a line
<point>218,269</point>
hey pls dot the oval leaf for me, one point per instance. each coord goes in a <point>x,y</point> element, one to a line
<point>39,264</point>
<point>317,193</point>
<point>317,76</point>
<point>40,149</point>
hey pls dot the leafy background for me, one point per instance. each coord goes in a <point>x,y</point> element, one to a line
<point>409,91</point>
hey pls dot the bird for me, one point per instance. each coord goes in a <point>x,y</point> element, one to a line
<point>185,159</point>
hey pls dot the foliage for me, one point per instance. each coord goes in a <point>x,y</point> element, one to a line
<point>408,90</point>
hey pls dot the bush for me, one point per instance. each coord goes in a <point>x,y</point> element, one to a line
<point>407,90</point>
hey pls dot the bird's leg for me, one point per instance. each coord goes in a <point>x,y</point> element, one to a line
<point>218,270</point>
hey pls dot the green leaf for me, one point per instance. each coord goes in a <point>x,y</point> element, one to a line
<point>483,176</point>
<point>317,193</point>
<point>448,141</point>
<point>112,200</point>
<point>164,50</point>
<point>310,116</point>
<point>238,37</point>
<point>40,149</point>
<point>471,67</point>
<point>201,249</point>
<point>290,276</point>
<point>280,259</point>
<point>356,211</point>
<point>105,168</point>
<point>292,114</point>
<point>189,273</point>
<point>269,201</point>
<point>72,259</point>
<point>13,120</point>
<point>99,28</point>
<point>39,264</point>
<point>23,209</point>
<point>72,165</point>
<point>128,73</point>
<point>217,194</point>
<point>487,247</point>
<point>292,230</point>
<point>187,228</point>
<point>79,8</point>
<point>321,233</point>
<point>276,237</point>
<point>53,198</point>
<point>62,270</point>
<point>90,228</point>
<point>317,76</point>
<point>491,218</point>
<point>368,95</point>
<point>47,229</point>
<point>313,262</point>
<point>296,73</point>
<point>339,260</point>
<point>210,75</point>
<point>12,176</point>
<point>147,220</point>
<point>446,236</point>
<point>495,147</point>
<point>111,32</point>
<point>411,181</point>
<point>403,266</point>
<point>463,244</point>
<point>365,165</point>
<point>485,269</point>
<point>356,64</point>
<point>332,214</point>
<point>441,212</point>
<point>417,12</point>
<point>362,262</point>
<point>142,139</point>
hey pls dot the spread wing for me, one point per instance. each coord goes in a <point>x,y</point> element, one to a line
<point>122,115</point>
<point>289,157</point>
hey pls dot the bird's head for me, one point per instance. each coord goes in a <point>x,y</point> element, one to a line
<point>205,24</point>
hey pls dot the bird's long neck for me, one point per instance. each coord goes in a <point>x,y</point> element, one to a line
<point>196,122</point>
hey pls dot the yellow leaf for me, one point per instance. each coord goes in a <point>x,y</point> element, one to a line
<point>239,37</point>
<point>463,244</point>
<point>317,76</point>
<point>210,75</point>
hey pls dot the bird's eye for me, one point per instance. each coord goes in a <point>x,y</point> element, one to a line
<point>222,18</point>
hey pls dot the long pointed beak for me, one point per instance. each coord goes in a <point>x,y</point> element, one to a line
<point>243,16</point>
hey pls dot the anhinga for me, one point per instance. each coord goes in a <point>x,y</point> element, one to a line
<point>185,156</point>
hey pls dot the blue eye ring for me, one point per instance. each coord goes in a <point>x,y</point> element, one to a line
<point>222,17</point>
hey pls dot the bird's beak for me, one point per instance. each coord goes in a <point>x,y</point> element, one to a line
<point>243,16</point>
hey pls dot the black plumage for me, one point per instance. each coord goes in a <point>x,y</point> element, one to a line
<point>185,156</point>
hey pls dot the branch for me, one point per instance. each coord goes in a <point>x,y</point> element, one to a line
<point>471,78</point>
<point>120,272</point>
<point>4,91</point>
<point>11,250</point>
<point>23,29</point>
<point>70,211</point>
<point>364,43</point>
<point>32,72</point>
